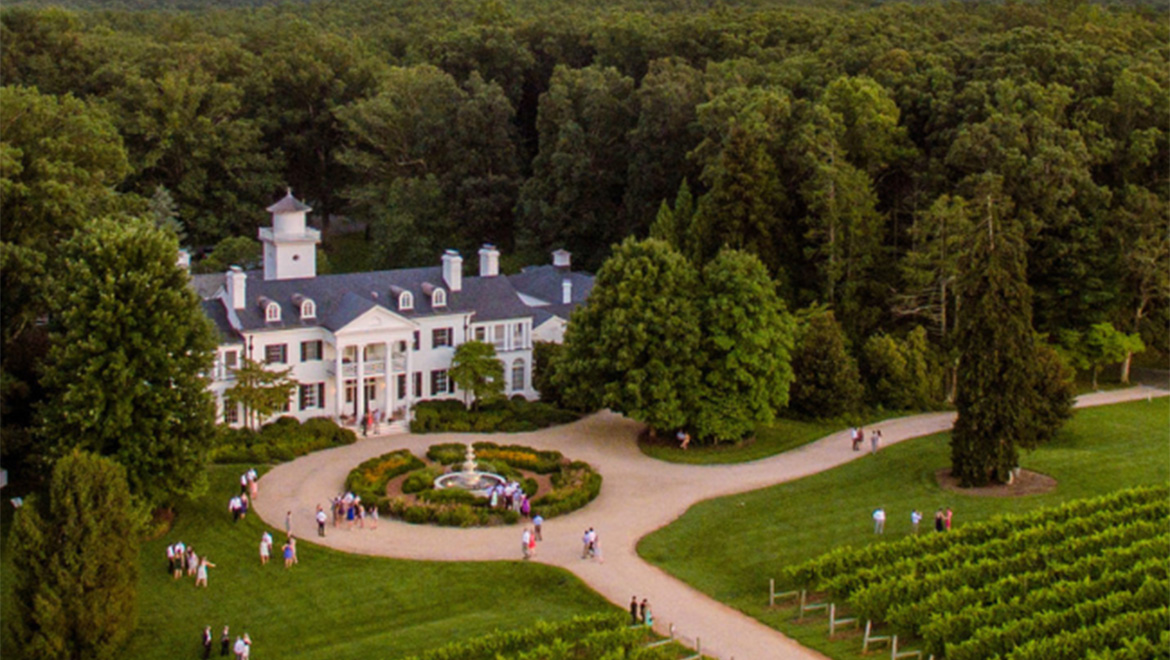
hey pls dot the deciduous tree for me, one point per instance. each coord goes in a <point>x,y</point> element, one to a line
<point>478,372</point>
<point>262,392</point>
<point>130,347</point>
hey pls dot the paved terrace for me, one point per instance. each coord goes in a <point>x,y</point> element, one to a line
<point>629,507</point>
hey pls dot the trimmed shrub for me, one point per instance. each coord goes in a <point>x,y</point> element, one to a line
<point>447,453</point>
<point>519,456</point>
<point>450,496</point>
<point>573,488</point>
<point>282,440</point>
<point>369,479</point>
<point>504,416</point>
<point>423,479</point>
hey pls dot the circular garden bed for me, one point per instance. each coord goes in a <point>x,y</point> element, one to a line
<point>402,485</point>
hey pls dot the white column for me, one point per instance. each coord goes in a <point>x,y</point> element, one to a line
<point>387,377</point>
<point>339,380</point>
<point>360,395</point>
<point>509,341</point>
<point>409,375</point>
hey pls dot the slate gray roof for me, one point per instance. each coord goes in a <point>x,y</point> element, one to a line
<point>289,204</point>
<point>207,285</point>
<point>342,298</point>
<point>215,311</point>
<point>545,282</point>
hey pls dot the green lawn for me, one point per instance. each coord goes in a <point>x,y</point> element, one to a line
<point>780,436</point>
<point>332,605</point>
<point>729,547</point>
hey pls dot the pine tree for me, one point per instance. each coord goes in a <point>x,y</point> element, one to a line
<point>827,383</point>
<point>76,587</point>
<point>998,386</point>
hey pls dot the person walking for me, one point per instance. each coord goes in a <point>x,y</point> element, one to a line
<point>879,520</point>
<point>265,548</point>
<point>874,441</point>
<point>938,520</point>
<point>321,518</point>
<point>201,575</point>
<point>947,518</point>
<point>915,518</point>
<point>524,539</point>
<point>644,611</point>
<point>532,545</point>
<point>207,638</point>
<point>288,554</point>
<point>633,610</point>
<point>288,522</point>
<point>373,516</point>
<point>225,642</point>
<point>537,521</point>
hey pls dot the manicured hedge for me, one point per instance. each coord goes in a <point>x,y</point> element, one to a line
<point>369,479</point>
<point>573,488</point>
<point>282,440</point>
<point>505,416</point>
<point>575,484</point>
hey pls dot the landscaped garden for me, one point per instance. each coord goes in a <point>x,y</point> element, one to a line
<point>730,547</point>
<point>554,484</point>
<point>332,605</point>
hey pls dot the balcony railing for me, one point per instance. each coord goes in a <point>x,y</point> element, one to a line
<point>369,368</point>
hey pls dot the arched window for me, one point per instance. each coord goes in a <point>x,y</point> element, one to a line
<point>517,375</point>
<point>272,312</point>
<point>308,310</point>
<point>439,298</point>
<point>406,300</point>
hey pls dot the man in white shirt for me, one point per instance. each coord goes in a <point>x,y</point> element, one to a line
<point>524,539</point>
<point>879,521</point>
<point>915,518</point>
<point>321,518</point>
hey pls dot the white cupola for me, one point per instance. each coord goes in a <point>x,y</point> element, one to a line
<point>290,245</point>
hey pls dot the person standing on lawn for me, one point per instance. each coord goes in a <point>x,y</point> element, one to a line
<point>206,642</point>
<point>225,642</point>
<point>633,610</point>
<point>915,518</point>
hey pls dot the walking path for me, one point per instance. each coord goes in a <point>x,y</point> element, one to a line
<point>639,495</point>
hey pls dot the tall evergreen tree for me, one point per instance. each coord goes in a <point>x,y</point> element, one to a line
<point>75,563</point>
<point>999,380</point>
<point>129,350</point>
<point>828,382</point>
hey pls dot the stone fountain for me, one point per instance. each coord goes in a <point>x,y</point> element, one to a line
<point>469,478</point>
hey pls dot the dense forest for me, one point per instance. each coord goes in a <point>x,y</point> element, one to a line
<point>852,148</point>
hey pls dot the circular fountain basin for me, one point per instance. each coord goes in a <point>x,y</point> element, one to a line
<point>476,483</point>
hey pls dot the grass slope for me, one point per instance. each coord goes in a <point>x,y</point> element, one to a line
<point>775,438</point>
<point>728,548</point>
<point>332,605</point>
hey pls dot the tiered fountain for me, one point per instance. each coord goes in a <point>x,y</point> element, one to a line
<point>469,478</point>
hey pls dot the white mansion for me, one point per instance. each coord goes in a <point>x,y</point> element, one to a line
<point>378,341</point>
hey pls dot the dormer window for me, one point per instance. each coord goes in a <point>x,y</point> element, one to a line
<point>439,298</point>
<point>406,300</point>
<point>308,310</point>
<point>272,312</point>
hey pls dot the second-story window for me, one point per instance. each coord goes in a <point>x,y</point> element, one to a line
<point>441,337</point>
<point>406,301</point>
<point>439,298</point>
<point>308,310</point>
<point>272,312</point>
<point>311,351</point>
<point>276,353</point>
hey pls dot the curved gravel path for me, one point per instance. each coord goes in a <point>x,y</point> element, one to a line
<point>627,509</point>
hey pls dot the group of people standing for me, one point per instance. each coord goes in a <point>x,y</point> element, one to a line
<point>510,496</point>
<point>348,507</point>
<point>640,612</point>
<point>942,520</point>
<point>248,492</point>
<point>857,435</point>
<point>590,545</point>
<point>242,648</point>
<point>182,558</point>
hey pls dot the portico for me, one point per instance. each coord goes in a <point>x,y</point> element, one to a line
<point>371,367</point>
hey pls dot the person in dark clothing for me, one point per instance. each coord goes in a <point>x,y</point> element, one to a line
<point>225,642</point>
<point>206,642</point>
<point>633,610</point>
<point>642,610</point>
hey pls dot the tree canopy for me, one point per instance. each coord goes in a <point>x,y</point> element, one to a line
<point>129,351</point>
